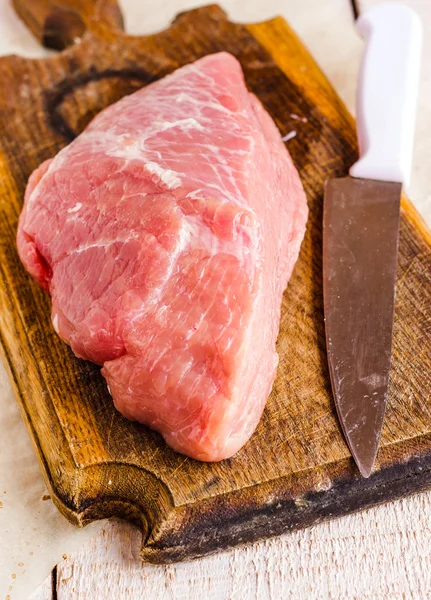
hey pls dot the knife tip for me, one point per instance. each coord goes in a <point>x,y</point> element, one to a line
<point>365,463</point>
<point>365,470</point>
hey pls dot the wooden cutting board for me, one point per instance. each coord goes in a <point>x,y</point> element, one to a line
<point>296,470</point>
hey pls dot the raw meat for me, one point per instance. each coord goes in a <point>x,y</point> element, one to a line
<point>166,234</point>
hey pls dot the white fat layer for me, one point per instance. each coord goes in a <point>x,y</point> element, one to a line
<point>195,233</point>
<point>125,150</point>
<point>75,209</point>
<point>134,151</point>
<point>168,177</point>
<point>184,97</point>
<point>184,124</point>
<point>195,195</point>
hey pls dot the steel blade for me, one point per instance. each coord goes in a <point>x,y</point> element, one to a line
<point>360,243</point>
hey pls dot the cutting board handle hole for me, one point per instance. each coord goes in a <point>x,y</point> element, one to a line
<point>58,24</point>
<point>62,28</point>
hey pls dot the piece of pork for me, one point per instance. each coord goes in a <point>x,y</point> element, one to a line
<point>166,234</point>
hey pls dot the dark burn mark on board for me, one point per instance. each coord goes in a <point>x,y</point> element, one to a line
<point>211,483</point>
<point>54,100</point>
<point>251,522</point>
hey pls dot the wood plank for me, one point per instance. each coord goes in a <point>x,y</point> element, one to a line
<point>378,554</point>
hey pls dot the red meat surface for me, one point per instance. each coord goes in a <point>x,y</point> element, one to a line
<point>166,234</point>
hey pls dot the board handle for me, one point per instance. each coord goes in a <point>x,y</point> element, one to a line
<point>387,92</point>
<point>61,23</point>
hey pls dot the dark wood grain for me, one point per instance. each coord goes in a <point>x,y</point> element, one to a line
<point>296,469</point>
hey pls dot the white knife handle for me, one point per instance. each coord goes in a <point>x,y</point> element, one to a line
<point>387,92</point>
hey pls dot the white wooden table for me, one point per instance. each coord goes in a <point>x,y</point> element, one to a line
<point>382,553</point>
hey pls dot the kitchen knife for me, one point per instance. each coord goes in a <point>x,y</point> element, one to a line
<point>361,224</point>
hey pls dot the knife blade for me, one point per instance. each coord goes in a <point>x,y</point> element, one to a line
<point>361,225</point>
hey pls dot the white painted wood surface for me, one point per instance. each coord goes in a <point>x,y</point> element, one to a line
<point>44,591</point>
<point>383,553</point>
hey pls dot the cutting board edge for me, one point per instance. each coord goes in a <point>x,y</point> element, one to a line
<point>184,532</point>
<point>80,494</point>
<point>57,493</point>
<point>213,524</point>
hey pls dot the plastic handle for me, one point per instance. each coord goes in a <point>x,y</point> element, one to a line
<point>387,92</point>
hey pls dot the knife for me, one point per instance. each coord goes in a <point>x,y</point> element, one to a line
<point>361,225</point>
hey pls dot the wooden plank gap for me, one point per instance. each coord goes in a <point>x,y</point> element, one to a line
<point>355,8</point>
<point>54,583</point>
